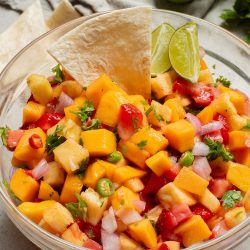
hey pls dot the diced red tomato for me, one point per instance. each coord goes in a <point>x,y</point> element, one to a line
<point>130,119</point>
<point>202,211</point>
<point>48,120</point>
<point>93,232</point>
<point>181,212</point>
<point>202,94</point>
<point>149,199</point>
<point>216,136</point>
<point>52,79</point>
<point>166,223</point>
<point>219,229</point>
<point>154,184</point>
<point>14,137</point>
<point>163,246</point>
<point>28,126</point>
<point>172,172</point>
<point>91,244</point>
<point>35,141</point>
<point>225,130</point>
<point>219,186</point>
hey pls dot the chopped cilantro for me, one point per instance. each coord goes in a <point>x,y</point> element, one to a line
<point>214,66</point>
<point>157,116</point>
<point>78,209</point>
<point>228,14</point>
<point>231,198</point>
<point>55,140</point>
<point>84,115</point>
<point>149,110</point>
<point>142,144</point>
<point>58,73</point>
<point>83,166</point>
<point>11,193</point>
<point>4,135</point>
<point>224,81</point>
<point>144,102</point>
<point>217,149</point>
<point>247,127</point>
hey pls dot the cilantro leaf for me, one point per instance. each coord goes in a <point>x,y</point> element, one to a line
<point>83,166</point>
<point>11,193</point>
<point>229,15</point>
<point>231,198</point>
<point>217,149</point>
<point>84,115</point>
<point>78,209</point>
<point>142,144</point>
<point>149,110</point>
<point>55,140</point>
<point>58,73</point>
<point>224,81</point>
<point>157,116</point>
<point>247,127</point>
<point>4,135</point>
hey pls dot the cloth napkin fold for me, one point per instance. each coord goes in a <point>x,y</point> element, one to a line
<point>197,8</point>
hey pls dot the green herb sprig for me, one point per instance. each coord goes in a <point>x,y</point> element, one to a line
<point>58,73</point>
<point>231,198</point>
<point>78,209</point>
<point>4,131</point>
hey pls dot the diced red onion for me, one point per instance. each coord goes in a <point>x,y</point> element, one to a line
<point>110,241</point>
<point>200,149</point>
<point>195,122</point>
<point>140,205</point>
<point>173,159</point>
<point>202,167</point>
<point>109,223</point>
<point>128,216</point>
<point>211,127</point>
<point>63,102</point>
<point>40,169</point>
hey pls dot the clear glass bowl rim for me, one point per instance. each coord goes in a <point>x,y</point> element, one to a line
<point>26,222</point>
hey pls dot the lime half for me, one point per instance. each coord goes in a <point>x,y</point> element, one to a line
<point>184,52</point>
<point>161,37</point>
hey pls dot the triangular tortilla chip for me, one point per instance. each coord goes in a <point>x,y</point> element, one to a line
<point>117,43</point>
<point>63,13</point>
<point>28,26</point>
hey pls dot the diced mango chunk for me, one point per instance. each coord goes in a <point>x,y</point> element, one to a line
<point>143,231</point>
<point>236,122</point>
<point>235,216</point>
<point>124,197</point>
<point>34,210</point>
<point>46,192</point>
<point>134,184</point>
<point>58,217</point>
<point>209,200</point>
<point>171,195</point>
<point>109,107</point>
<point>180,135</point>
<point>74,235</point>
<point>96,205</point>
<point>190,181</point>
<point>239,176</point>
<point>155,140</point>
<point>72,88</point>
<point>40,88</point>
<point>173,245</point>
<point>177,109</point>
<point>134,154</point>
<point>70,113</point>
<point>205,76</point>
<point>32,112</point>
<point>73,184</point>
<point>194,230</point>
<point>206,115</point>
<point>238,140</point>
<point>70,161</point>
<point>159,163</point>
<point>99,142</point>
<point>109,167</point>
<point>122,174</point>
<point>24,152</point>
<point>99,87</point>
<point>236,98</point>
<point>24,186</point>
<point>243,156</point>
<point>94,172</point>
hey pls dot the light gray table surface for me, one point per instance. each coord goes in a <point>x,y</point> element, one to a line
<point>10,237</point>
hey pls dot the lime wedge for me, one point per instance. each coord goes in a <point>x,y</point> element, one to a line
<point>161,37</point>
<point>184,52</point>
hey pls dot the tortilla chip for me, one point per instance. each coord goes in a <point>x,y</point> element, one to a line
<point>63,13</point>
<point>28,26</point>
<point>117,43</point>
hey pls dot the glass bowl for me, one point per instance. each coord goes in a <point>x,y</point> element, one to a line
<point>229,55</point>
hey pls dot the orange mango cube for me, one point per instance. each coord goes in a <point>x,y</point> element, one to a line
<point>24,186</point>
<point>180,135</point>
<point>159,163</point>
<point>32,112</point>
<point>46,192</point>
<point>177,109</point>
<point>238,140</point>
<point>206,115</point>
